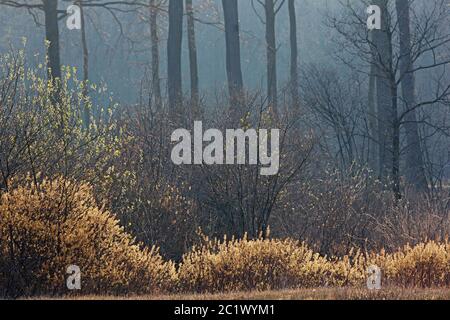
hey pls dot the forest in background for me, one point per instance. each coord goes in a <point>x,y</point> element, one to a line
<point>86,118</point>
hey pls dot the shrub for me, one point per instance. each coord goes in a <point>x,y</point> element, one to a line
<point>43,130</point>
<point>349,270</point>
<point>48,226</point>
<point>424,265</point>
<point>238,265</point>
<point>150,196</point>
<point>244,265</point>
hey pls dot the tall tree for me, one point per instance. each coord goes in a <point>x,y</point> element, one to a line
<point>193,64</point>
<point>233,52</point>
<point>372,122</point>
<point>154,38</point>
<point>294,56</point>
<point>415,171</point>
<point>271,9</point>
<point>392,66</point>
<point>271,47</point>
<point>174,47</point>
<point>52,38</point>
<point>84,45</point>
<point>51,12</point>
<point>386,97</point>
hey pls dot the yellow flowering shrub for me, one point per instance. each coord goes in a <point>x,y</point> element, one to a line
<point>240,265</point>
<point>260,264</point>
<point>44,228</point>
<point>424,265</point>
<point>349,270</point>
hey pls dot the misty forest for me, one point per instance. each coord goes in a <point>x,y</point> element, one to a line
<point>87,114</point>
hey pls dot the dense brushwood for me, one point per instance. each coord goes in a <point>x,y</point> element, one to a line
<point>238,265</point>
<point>48,226</point>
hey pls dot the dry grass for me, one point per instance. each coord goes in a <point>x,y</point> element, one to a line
<point>300,294</point>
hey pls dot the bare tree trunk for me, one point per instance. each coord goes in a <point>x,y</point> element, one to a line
<point>382,53</point>
<point>156,85</point>
<point>294,56</point>
<point>415,171</point>
<point>388,119</point>
<point>395,139</point>
<point>272,93</point>
<point>174,47</point>
<point>193,64</point>
<point>52,37</point>
<point>233,52</point>
<point>372,121</point>
<point>86,111</point>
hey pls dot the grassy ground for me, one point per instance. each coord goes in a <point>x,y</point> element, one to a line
<point>303,294</point>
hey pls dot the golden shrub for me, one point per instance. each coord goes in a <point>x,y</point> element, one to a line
<point>349,270</point>
<point>46,227</point>
<point>424,265</point>
<point>260,264</point>
<point>239,265</point>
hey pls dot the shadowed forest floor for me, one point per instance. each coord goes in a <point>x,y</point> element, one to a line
<point>300,294</point>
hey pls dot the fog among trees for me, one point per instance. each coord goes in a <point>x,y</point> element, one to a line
<point>363,115</point>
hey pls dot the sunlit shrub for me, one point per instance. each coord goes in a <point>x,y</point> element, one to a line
<point>349,270</point>
<point>424,265</point>
<point>151,196</point>
<point>240,265</point>
<point>46,227</point>
<point>251,265</point>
